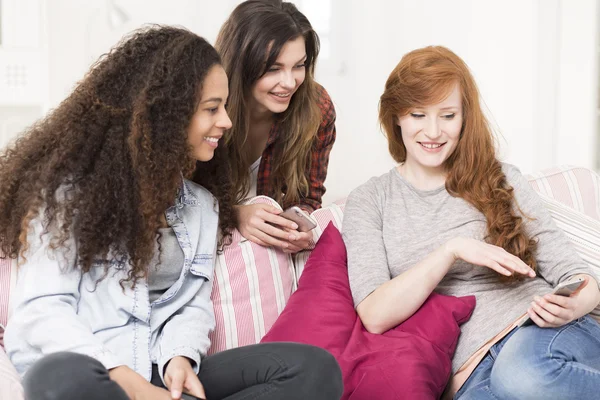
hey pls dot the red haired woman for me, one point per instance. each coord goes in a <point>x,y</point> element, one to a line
<point>451,218</point>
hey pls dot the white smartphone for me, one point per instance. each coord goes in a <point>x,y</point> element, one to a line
<point>566,288</point>
<point>304,221</point>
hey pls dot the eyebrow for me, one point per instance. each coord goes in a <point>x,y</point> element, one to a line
<point>299,61</point>
<point>217,99</point>
<point>450,108</point>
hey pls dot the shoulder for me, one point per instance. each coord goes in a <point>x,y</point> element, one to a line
<point>375,189</point>
<point>514,177</point>
<point>325,105</point>
<point>511,171</point>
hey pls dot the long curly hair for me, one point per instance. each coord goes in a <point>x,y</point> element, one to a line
<point>249,43</point>
<point>427,76</point>
<point>101,169</point>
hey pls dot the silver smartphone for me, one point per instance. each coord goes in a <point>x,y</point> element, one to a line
<point>562,289</point>
<point>304,221</point>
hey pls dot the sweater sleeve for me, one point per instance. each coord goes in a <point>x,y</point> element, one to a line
<point>362,231</point>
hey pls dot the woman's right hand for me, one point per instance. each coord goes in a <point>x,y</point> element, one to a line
<point>487,255</point>
<point>261,224</point>
<point>135,386</point>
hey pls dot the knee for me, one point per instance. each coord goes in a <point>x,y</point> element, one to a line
<point>59,376</point>
<point>322,373</point>
<point>524,377</point>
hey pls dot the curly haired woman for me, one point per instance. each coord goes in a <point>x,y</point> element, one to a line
<point>453,219</point>
<point>116,246</point>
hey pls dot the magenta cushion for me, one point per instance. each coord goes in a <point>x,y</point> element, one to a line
<point>411,361</point>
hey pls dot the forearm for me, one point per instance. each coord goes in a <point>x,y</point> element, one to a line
<point>126,378</point>
<point>398,299</point>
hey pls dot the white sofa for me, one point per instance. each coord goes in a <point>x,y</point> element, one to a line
<point>253,283</point>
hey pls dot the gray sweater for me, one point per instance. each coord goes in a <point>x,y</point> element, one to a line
<point>389,226</point>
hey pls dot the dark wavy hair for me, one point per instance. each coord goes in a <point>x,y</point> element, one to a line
<point>102,168</point>
<point>249,43</point>
<point>426,76</point>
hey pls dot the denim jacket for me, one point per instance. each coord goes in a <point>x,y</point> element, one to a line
<point>57,308</point>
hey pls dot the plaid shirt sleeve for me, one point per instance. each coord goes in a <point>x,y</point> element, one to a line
<point>319,161</point>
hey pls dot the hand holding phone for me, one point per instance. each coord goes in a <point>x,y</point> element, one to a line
<point>304,221</point>
<point>567,289</point>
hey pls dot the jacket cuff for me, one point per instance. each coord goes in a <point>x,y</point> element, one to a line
<point>184,351</point>
<point>106,358</point>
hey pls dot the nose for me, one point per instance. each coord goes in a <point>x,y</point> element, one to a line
<point>287,80</point>
<point>224,122</point>
<point>432,129</point>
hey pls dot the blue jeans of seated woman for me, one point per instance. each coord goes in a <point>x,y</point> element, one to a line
<point>540,363</point>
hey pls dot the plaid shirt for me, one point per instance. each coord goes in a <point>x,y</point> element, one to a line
<point>316,171</point>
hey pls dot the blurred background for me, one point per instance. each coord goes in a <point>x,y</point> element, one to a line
<point>536,63</point>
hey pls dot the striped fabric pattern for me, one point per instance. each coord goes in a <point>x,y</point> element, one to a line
<point>252,286</point>
<point>7,280</point>
<point>332,213</point>
<point>575,187</point>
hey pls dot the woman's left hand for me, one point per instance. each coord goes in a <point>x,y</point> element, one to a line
<point>553,311</point>
<point>180,377</point>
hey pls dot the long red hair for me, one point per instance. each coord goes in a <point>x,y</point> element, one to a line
<point>427,76</point>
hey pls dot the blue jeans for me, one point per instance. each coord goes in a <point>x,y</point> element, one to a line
<point>540,363</point>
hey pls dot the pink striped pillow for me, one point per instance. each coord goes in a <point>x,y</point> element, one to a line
<point>332,213</point>
<point>251,287</point>
<point>7,280</point>
<point>576,187</point>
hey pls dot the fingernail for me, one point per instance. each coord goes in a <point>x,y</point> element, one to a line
<point>292,237</point>
<point>294,226</point>
<point>175,394</point>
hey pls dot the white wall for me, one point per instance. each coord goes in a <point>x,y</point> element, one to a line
<point>78,32</point>
<point>536,62</point>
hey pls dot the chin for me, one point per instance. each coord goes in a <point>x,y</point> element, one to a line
<point>205,157</point>
<point>278,109</point>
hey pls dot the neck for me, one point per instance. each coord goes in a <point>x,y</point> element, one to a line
<point>423,178</point>
<point>260,115</point>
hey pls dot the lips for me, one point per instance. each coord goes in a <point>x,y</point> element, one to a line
<point>212,140</point>
<point>431,147</point>
<point>281,97</point>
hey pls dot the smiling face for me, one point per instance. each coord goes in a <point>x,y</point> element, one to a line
<point>431,133</point>
<point>210,119</point>
<point>274,90</point>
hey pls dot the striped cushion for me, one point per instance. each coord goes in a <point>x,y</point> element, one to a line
<point>7,280</point>
<point>332,213</point>
<point>578,188</point>
<point>252,286</point>
<point>583,231</point>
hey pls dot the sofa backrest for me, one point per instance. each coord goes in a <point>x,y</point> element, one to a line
<point>252,288</point>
